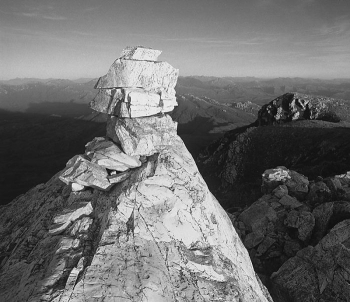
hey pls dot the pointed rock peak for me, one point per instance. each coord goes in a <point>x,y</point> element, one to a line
<point>135,220</point>
<point>140,53</point>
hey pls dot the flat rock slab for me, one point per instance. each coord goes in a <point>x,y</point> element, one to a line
<point>142,136</point>
<point>107,154</point>
<point>145,74</point>
<point>81,171</point>
<point>133,102</point>
<point>140,53</point>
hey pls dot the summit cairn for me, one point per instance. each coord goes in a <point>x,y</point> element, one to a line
<point>136,86</point>
<point>147,227</point>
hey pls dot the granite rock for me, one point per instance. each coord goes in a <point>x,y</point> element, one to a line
<point>140,53</point>
<point>151,231</point>
<point>159,235</point>
<point>107,154</point>
<point>319,273</point>
<point>148,75</point>
<point>132,102</point>
<point>81,171</point>
<point>142,136</point>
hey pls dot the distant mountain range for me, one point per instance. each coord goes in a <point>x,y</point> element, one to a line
<point>208,107</point>
<point>18,94</point>
<point>259,91</point>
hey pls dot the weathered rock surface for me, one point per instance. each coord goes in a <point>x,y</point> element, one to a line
<point>278,227</point>
<point>81,171</point>
<point>148,75</point>
<point>296,184</point>
<point>319,273</point>
<point>152,232</point>
<point>295,106</point>
<point>132,102</point>
<point>107,154</point>
<point>158,236</point>
<point>142,136</point>
<point>90,169</point>
<point>136,85</point>
<point>140,53</point>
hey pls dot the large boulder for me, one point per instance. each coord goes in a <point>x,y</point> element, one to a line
<point>149,75</point>
<point>319,273</point>
<point>133,102</point>
<point>142,136</point>
<point>297,184</point>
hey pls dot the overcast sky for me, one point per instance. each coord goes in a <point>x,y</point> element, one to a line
<point>263,38</point>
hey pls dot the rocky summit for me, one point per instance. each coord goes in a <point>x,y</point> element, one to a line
<point>297,235</point>
<point>131,219</point>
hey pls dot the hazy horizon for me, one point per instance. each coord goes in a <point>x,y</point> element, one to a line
<point>258,78</point>
<point>252,38</point>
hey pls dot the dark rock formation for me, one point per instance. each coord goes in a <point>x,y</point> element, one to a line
<point>234,163</point>
<point>296,106</point>
<point>300,240</point>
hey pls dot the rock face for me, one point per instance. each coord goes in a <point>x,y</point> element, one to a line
<point>298,233</point>
<point>136,222</point>
<point>137,85</point>
<point>295,106</point>
<point>311,147</point>
<point>319,273</point>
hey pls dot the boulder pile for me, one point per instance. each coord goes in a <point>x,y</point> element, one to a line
<point>137,222</point>
<point>136,85</point>
<point>297,233</point>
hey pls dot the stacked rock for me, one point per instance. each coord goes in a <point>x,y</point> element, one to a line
<point>137,85</point>
<point>135,93</point>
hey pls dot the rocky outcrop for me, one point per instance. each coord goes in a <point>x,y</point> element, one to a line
<point>319,273</point>
<point>137,85</point>
<point>235,162</point>
<point>297,233</point>
<point>304,132</point>
<point>130,220</point>
<point>295,106</point>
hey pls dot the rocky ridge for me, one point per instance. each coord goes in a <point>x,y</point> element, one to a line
<point>306,133</point>
<point>297,235</point>
<point>132,218</point>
